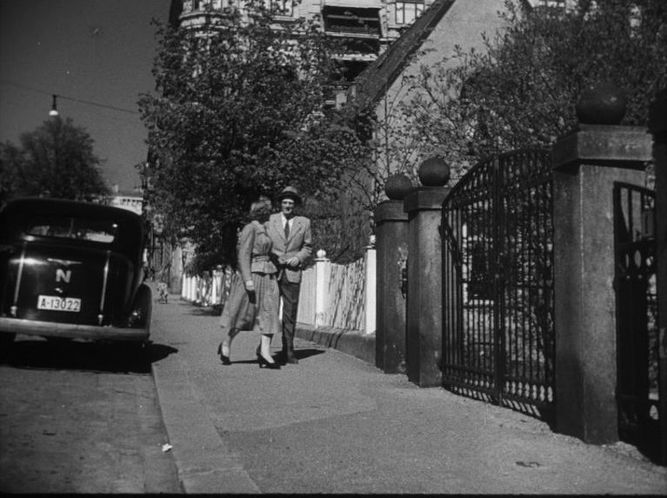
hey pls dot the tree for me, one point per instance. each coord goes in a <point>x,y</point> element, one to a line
<point>240,113</point>
<point>522,90</point>
<point>55,160</point>
<point>11,171</point>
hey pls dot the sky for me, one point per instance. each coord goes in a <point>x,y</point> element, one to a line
<point>97,51</point>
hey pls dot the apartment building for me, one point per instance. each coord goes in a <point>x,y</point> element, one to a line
<point>365,28</point>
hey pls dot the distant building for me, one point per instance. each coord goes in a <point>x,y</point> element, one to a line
<point>132,200</point>
<point>365,27</point>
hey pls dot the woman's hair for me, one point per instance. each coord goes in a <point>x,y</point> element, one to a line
<point>260,209</point>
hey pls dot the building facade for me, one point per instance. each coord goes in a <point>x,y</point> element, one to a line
<point>131,200</point>
<point>445,27</point>
<point>365,28</point>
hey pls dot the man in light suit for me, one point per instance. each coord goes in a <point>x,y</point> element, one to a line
<point>292,246</point>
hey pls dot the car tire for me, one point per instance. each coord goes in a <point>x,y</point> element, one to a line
<point>133,355</point>
<point>58,340</point>
<point>6,342</point>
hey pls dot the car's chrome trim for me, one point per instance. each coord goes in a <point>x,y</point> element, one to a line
<point>71,330</point>
<point>100,317</point>
<point>19,276</point>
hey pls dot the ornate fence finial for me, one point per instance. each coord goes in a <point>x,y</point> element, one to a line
<point>397,187</point>
<point>433,172</point>
<point>601,104</point>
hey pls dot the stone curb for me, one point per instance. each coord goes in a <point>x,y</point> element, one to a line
<point>351,342</point>
<point>205,464</point>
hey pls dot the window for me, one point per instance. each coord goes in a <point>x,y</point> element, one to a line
<point>281,7</point>
<point>72,228</point>
<point>351,20</point>
<point>408,10</point>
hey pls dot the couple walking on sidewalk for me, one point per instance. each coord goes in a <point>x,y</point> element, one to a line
<point>271,251</point>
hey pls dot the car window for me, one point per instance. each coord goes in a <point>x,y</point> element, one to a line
<point>72,228</point>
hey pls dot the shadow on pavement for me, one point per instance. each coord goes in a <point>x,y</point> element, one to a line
<point>204,311</point>
<point>299,353</point>
<point>65,354</point>
<point>157,352</point>
<point>306,353</point>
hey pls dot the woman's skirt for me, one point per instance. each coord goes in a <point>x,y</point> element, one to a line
<point>261,314</point>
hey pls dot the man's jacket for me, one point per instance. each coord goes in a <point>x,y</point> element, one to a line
<point>298,244</point>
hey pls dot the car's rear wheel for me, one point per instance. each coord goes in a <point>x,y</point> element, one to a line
<point>59,340</point>
<point>6,341</point>
<point>134,352</point>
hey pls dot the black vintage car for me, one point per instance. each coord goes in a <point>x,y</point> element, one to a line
<point>72,270</point>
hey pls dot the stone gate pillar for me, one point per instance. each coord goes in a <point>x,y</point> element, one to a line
<point>658,127</point>
<point>424,315</point>
<point>391,241</point>
<point>586,164</point>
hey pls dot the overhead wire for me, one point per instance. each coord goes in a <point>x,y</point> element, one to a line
<point>60,96</point>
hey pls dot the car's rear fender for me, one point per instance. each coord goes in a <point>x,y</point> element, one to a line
<point>142,308</point>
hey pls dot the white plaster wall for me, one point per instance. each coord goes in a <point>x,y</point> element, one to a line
<point>462,25</point>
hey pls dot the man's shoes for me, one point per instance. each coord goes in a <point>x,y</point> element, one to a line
<point>290,357</point>
<point>285,358</point>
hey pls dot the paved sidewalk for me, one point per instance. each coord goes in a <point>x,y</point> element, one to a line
<point>336,424</point>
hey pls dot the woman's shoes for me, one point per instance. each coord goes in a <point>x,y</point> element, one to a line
<point>223,358</point>
<point>264,363</point>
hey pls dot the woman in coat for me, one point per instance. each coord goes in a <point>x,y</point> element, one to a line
<point>253,299</point>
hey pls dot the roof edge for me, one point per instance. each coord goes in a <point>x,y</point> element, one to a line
<point>384,71</point>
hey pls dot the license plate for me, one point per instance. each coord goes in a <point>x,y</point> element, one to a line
<point>57,303</point>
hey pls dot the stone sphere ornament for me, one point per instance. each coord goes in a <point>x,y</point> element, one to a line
<point>397,187</point>
<point>601,103</point>
<point>433,172</point>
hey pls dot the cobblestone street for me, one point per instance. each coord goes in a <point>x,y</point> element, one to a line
<point>72,420</point>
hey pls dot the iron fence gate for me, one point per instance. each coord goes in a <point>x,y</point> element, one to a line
<point>636,317</point>
<point>498,327</point>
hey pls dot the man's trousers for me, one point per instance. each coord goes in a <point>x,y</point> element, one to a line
<point>289,292</point>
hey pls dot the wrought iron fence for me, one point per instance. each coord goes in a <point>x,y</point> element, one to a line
<point>636,316</point>
<point>498,342</point>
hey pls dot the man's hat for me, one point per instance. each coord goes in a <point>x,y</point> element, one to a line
<point>290,192</point>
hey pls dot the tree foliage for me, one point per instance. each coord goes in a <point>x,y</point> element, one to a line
<point>239,114</point>
<point>521,90</point>
<point>55,160</point>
